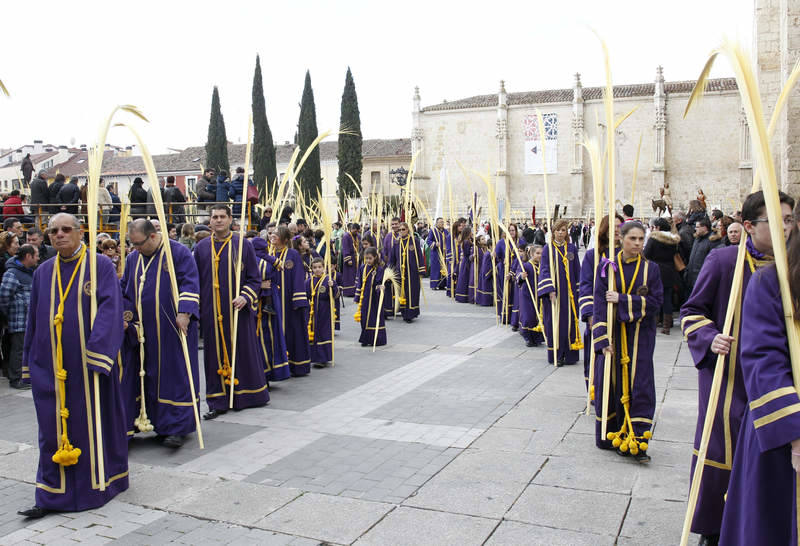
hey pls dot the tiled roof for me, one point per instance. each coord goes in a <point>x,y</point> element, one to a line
<point>589,93</point>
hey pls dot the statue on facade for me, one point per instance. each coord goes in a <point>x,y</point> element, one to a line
<point>702,198</point>
<point>664,203</point>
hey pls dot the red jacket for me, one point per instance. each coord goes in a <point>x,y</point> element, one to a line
<point>13,207</point>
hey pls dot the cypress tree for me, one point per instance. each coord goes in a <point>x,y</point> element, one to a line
<point>217,143</point>
<point>309,177</point>
<point>350,154</point>
<point>264,166</point>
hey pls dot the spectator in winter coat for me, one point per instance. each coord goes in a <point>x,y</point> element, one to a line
<point>27,169</point>
<point>39,197</point>
<point>116,209</point>
<point>702,246</point>
<point>237,191</point>
<point>173,197</point>
<point>661,247</point>
<point>104,201</point>
<point>69,196</point>
<point>138,198</point>
<point>12,207</point>
<point>223,187</point>
<point>35,238</point>
<point>207,187</point>
<point>53,190</point>
<point>15,296</point>
<point>151,204</point>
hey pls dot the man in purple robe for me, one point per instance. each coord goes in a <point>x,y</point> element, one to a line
<point>150,309</point>
<point>406,258</point>
<point>66,354</point>
<point>351,244</point>
<point>436,242</point>
<point>702,320</point>
<point>220,298</point>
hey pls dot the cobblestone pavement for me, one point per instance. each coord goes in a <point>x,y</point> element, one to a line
<point>455,433</point>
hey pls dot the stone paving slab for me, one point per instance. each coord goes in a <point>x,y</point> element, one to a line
<point>512,533</point>
<point>323,517</point>
<point>407,526</point>
<point>479,483</point>
<point>578,473</point>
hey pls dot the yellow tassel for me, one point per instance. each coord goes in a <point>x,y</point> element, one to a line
<point>647,435</point>
<point>357,316</point>
<point>538,328</point>
<point>66,455</point>
<point>576,346</point>
<point>591,392</point>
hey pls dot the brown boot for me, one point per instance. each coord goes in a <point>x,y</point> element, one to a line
<point>667,324</point>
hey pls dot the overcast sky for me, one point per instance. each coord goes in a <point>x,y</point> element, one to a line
<point>67,64</point>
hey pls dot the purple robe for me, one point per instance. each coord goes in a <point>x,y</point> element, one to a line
<point>251,390</point>
<point>586,307</point>
<point>465,274</point>
<point>568,330</point>
<point>322,346</point>
<point>371,317</point>
<point>85,350</point>
<point>505,288</point>
<point>350,253</point>
<point>513,289</point>
<point>485,293</point>
<point>338,302</point>
<point>453,259</point>
<point>168,399</point>
<point>268,327</point>
<point>294,311</point>
<point>407,259</point>
<point>389,242</point>
<point>436,242</point>
<point>636,312</point>
<point>702,318</point>
<point>528,317</point>
<point>761,505</point>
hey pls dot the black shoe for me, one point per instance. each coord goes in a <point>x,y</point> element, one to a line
<point>213,414</point>
<point>623,453</point>
<point>268,309</point>
<point>642,457</point>
<point>365,344</point>
<point>19,385</point>
<point>530,344</point>
<point>408,320</point>
<point>708,540</point>
<point>37,512</point>
<point>173,441</point>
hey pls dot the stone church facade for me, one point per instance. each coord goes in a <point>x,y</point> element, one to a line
<point>708,150</point>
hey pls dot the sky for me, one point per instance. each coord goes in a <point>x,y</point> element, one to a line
<point>69,63</point>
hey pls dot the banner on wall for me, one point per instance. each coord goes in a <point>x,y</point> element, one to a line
<point>533,144</point>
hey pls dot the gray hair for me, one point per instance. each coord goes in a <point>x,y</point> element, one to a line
<point>75,222</point>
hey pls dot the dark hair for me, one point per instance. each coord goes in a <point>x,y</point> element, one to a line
<point>703,221</point>
<point>35,231</point>
<point>317,260</point>
<point>283,233</point>
<point>628,226</point>
<point>301,221</point>
<point>297,241</point>
<point>602,231</point>
<point>754,204</point>
<point>372,251</point>
<point>716,214</point>
<point>249,234</point>
<point>662,224</point>
<point>369,238</point>
<point>25,250</point>
<point>170,179</point>
<point>466,233</point>
<point>14,193</point>
<point>107,244</point>
<point>138,180</point>
<point>225,208</point>
<point>627,210</point>
<point>223,173</point>
<point>319,235</point>
<point>143,226</point>
<point>8,223</point>
<point>354,225</point>
<point>239,170</point>
<point>395,219</point>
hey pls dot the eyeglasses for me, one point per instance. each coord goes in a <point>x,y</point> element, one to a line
<point>138,243</point>
<point>787,220</point>
<point>63,229</point>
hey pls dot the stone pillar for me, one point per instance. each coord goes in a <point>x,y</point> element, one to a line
<point>777,45</point>
<point>659,170</point>
<point>745,159</point>
<point>417,140</point>
<point>501,133</point>
<point>584,194</point>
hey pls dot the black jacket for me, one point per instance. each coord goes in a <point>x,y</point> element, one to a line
<point>39,192</point>
<point>138,195</point>
<point>661,248</point>
<point>53,191</point>
<point>174,196</point>
<point>702,246</point>
<point>68,195</point>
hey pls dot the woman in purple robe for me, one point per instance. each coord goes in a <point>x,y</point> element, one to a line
<point>293,301</point>
<point>453,257</point>
<point>586,288</point>
<point>320,291</point>
<point>220,297</point>
<point>529,308</point>
<point>71,483</point>
<point>350,250</point>
<point>636,295</point>
<point>407,259</point>
<point>485,292</point>
<point>560,285</point>
<point>505,258</point>
<point>465,266</point>
<point>761,505</point>
<point>436,241</point>
<point>368,313</point>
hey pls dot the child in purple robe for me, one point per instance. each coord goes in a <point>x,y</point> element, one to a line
<point>350,252</point>
<point>453,257</point>
<point>320,291</point>
<point>368,291</point>
<point>293,301</point>
<point>560,285</point>
<point>465,267</point>
<point>530,327</point>
<point>636,295</point>
<point>485,291</point>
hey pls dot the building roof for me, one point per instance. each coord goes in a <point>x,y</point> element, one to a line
<point>589,93</point>
<point>35,158</point>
